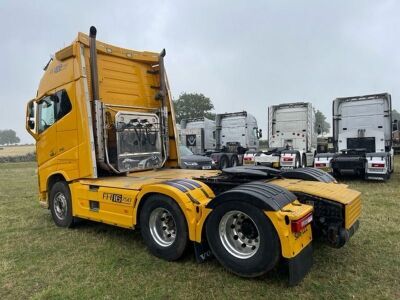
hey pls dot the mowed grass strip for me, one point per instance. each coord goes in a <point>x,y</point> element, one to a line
<point>41,261</point>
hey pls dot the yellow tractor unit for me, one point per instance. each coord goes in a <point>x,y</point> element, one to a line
<point>106,144</point>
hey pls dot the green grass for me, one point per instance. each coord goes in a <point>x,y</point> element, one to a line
<point>41,261</point>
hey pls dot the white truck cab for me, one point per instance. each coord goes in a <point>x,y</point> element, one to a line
<point>291,135</point>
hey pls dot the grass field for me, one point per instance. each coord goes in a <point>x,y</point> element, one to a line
<point>41,261</point>
<point>16,150</point>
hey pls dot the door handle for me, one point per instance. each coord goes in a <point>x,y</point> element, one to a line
<point>52,153</point>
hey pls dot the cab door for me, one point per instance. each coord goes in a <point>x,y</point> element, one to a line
<point>67,133</point>
<point>46,143</point>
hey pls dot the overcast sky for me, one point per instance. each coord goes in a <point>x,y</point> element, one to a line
<point>244,55</point>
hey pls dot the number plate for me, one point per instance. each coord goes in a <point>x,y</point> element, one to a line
<point>206,168</point>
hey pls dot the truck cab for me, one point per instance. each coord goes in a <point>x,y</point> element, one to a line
<point>291,136</point>
<point>362,136</point>
<point>225,140</point>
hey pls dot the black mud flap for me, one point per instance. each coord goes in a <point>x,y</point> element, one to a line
<point>202,252</point>
<point>300,265</point>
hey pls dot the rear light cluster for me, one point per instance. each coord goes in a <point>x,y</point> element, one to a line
<point>247,158</point>
<point>300,224</point>
<point>320,165</point>
<point>287,158</point>
<point>378,165</point>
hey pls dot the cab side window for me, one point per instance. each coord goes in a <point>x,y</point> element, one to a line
<point>47,111</point>
<point>52,108</point>
<point>63,104</point>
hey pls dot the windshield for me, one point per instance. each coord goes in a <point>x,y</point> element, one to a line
<point>184,151</point>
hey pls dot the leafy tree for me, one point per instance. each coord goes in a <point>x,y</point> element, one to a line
<point>193,105</point>
<point>320,122</point>
<point>395,115</point>
<point>8,136</point>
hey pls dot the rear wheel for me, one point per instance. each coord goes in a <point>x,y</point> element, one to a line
<point>234,161</point>
<point>61,205</point>
<point>163,227</point>
<point>297,162</point>
<point>224,162</point>
<point>243,239</point>
<point>304,161</point>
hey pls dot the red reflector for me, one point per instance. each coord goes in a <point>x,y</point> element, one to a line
<point>288,159</point>
<point>247,158</point>
<point>320,165</point>
<point>300,224</point>
<point>378,165</point>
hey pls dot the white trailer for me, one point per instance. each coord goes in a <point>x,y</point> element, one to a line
<point>291,135</point>
<point>362,136</point>
<point>225,140</point>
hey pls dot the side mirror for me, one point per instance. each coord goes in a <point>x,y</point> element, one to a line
<point>31,124</point>
<point>30,119</point>
<point>260,133</point>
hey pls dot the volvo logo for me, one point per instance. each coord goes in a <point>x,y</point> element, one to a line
<point>191,140</point>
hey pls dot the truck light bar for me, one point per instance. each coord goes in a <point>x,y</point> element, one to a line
<point>300,224</point>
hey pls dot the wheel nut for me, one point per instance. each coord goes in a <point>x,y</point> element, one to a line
<point>235,237</point>
<point>243,245</point>
<point>164,227</point>
<point>253,248</point>
<point>232,226</point>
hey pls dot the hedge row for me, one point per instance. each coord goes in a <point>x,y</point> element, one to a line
<point>19,158</point>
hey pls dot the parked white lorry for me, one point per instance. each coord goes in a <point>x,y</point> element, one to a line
<point>225,140</point>
<point>291,135</point>
<point>362,136</point>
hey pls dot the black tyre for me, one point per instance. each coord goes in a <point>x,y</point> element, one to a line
<point>304,161</point>
<point>234,161</point>
<point>224,162</point>
<point>61,205</point>
<point>297,161</point>
<point>243,239</point>
<point>163,227</point>
<point>391,164</point>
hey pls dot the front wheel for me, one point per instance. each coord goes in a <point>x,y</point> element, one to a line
<point>243,239</point>
<point>163,227</point>
<point>61,205</point>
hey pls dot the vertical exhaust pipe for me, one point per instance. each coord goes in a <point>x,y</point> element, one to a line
<point>93,63</point>
<point>100,134</point>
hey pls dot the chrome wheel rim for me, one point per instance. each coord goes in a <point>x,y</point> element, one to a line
<point>239,234</point>
<point>162,227</point>
<point>60,206</point>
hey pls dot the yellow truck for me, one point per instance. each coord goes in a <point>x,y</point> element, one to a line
<point>106,144</point>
